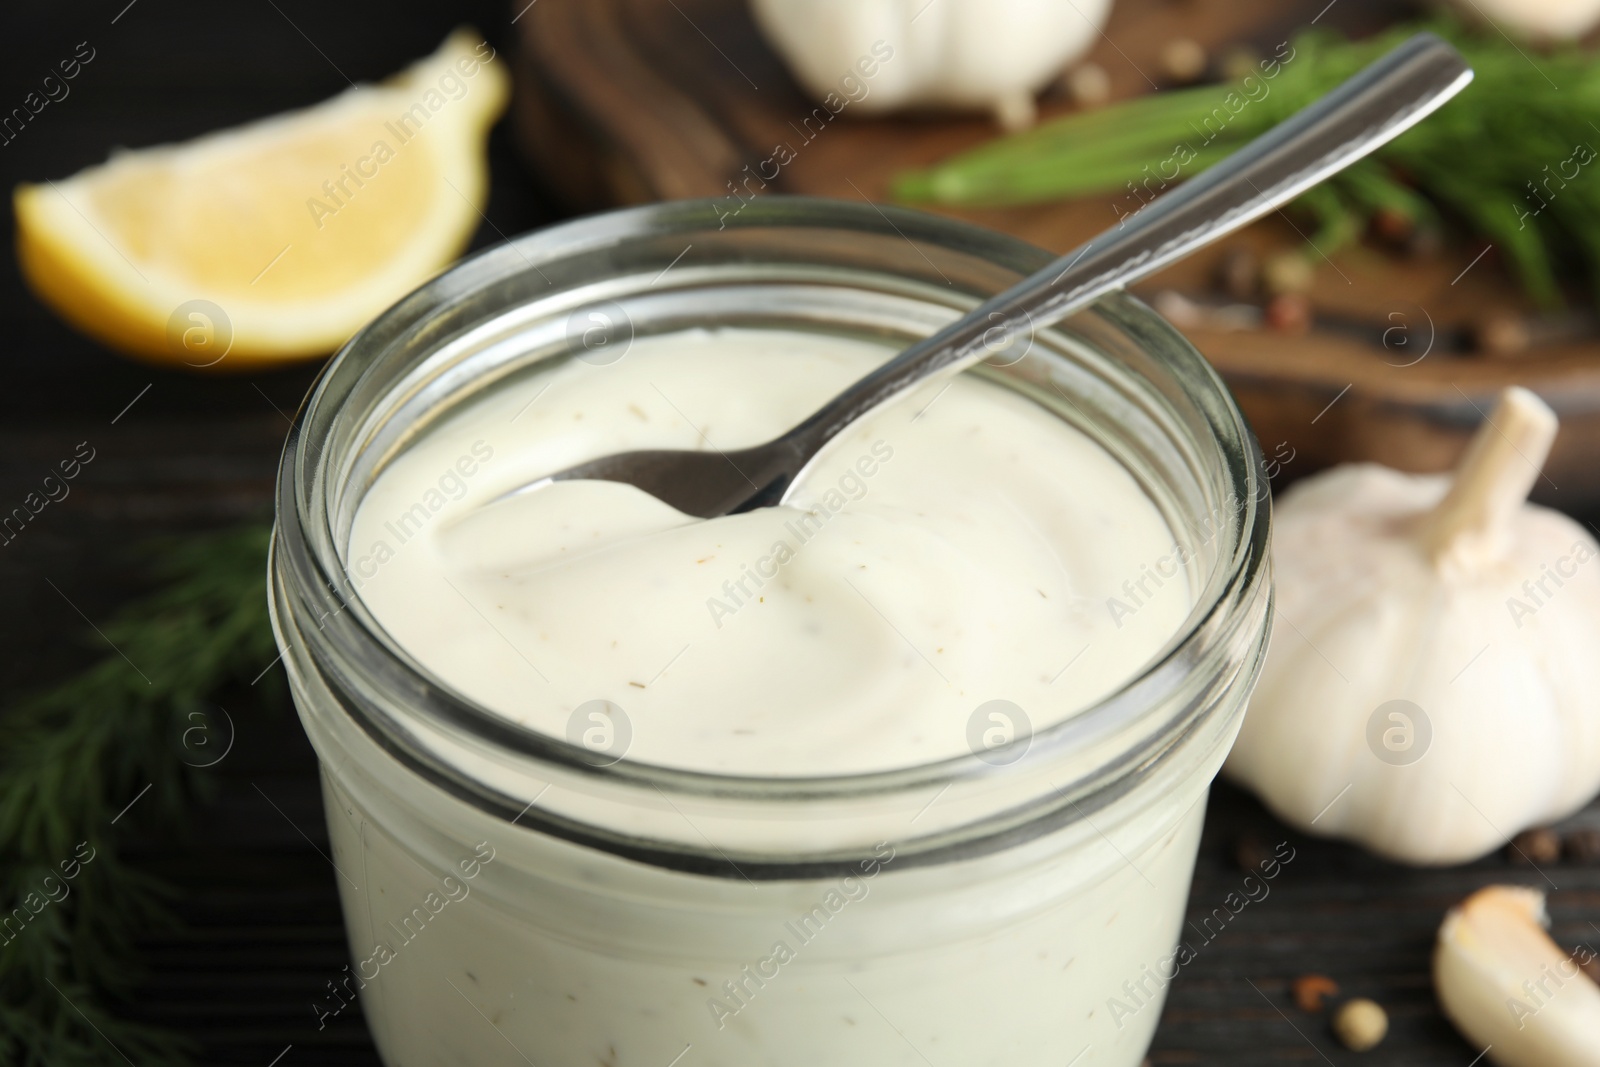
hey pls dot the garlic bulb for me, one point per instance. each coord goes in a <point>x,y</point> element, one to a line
<point>886,55</point>
<point>1538,19</point>
<point>1511,989</point>
<point>1432,686</point>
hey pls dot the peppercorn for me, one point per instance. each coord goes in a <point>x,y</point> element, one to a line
<point>1288,272</point>
<point>1239,63</point>
<point>1183,60</point>
<point>1361,1024</point>
<point>1311,990</point>
<point>1535,847</point>
<point>1583,845</point>
<point>1289,313</point>
<point>1240,273</point>
<point>1425,242</point>
<point>1088,85</point>
<point>1393,226</point>
<point>1501,333</point>
<point>1250,853</point>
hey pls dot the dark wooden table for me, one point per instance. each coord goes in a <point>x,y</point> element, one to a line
<point>262,921</point>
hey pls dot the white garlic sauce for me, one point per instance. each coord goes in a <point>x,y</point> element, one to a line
<point>961,547</point>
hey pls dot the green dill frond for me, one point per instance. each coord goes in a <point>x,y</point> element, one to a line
<point>1512,157</point>
<point>76,754</point>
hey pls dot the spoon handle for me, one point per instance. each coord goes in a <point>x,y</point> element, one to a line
<point>1366,112</point>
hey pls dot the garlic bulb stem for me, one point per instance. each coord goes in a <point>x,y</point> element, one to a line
<point>1492,482</point>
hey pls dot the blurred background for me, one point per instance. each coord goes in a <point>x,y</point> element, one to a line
<point>1373,327</point>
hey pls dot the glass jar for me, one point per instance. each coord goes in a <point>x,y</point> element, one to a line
<point>512,899</point>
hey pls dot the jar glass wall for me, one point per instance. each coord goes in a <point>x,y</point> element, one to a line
<point>511,898</point>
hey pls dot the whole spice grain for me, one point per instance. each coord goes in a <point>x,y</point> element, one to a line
<point>1290,313</point>
<point>1250,852</point>
<point>1183,60</point>
<point>1361,1024</point>
<point>1311,991</point>
<point>1501,333</point>
<point>1582,845</point>
<point>1426,242</point>
<point>1392,225</point>
<point>1239,63</point>
<point>1288,272</point>
<point>1088,85</point>
<point>1535,847</point>
<point>1240,274</point>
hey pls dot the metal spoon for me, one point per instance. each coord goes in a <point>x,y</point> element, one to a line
<point>1366,112</point>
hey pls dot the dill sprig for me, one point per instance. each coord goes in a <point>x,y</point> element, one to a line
<point>1510,157</point>
<point>74,756</point>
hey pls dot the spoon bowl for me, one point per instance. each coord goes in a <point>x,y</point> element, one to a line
<point>700,483</point>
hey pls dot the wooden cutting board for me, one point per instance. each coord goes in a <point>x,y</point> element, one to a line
<point>629,101</point>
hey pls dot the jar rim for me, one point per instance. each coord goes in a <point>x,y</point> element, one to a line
<point>310,580</point>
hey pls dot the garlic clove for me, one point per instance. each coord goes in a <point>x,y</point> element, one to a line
<point>1509,988</point>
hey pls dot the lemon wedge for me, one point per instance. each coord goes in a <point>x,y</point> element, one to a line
<point>278,239</point>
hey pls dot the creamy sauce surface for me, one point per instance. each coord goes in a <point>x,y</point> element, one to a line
<point>959,548</point>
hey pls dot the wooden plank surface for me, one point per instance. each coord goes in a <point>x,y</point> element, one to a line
<point>263,930</point>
